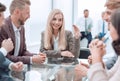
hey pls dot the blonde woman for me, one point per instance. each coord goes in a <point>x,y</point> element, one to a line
<point>56,42</point>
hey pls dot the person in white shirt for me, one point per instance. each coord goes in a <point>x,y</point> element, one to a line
<point>85,24</point>
<point>101,27</point>
<point>104,35</point>
<point>110,57</point>
<point>100,73</point>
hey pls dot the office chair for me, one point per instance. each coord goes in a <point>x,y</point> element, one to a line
<point>84,53</point>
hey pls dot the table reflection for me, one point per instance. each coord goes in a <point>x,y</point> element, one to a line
<point>52,70</point>
<point>61,69</point>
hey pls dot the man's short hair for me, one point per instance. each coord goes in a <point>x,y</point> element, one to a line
<point>86,10</point>
<point>113,4</point>
<point>18,4</point>
<point>2,7</point>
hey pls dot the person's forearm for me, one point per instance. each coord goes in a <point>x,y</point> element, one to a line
<point>97,59</point>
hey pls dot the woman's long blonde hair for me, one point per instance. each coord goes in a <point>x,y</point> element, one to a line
<point>48,38</point>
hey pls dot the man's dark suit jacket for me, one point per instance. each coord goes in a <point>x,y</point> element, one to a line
<point>2,58</point>
<point>4,63</point>
<point>6,32</point>
<point>4,70</point>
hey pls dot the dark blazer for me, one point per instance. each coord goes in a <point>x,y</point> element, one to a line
<point>2,58</point>
<point>4,65</point>
<point>73,45</point>
<point>4,70</point>
<point>8,32</point>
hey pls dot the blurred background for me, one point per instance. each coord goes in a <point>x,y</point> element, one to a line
<point>72,9</point>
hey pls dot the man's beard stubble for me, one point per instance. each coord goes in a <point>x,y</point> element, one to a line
<point>21,22</point>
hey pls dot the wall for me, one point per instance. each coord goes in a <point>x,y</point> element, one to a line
<point>37,21</point>
<point>95,8</point>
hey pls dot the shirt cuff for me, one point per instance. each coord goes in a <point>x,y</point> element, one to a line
<point>31,60</point>
<point>10,66</point>
<point>4,51</point>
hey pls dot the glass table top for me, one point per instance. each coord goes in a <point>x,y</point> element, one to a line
<point>60,70</point>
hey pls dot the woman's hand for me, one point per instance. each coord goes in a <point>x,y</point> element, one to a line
<point>76,32</point>
<point>97,49</point>
<point>66,54</point>
<point>81,71</point>
<point>90,59</point>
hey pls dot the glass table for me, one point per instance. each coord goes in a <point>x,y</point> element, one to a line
<point>50,71</point>
<point>60,70</point>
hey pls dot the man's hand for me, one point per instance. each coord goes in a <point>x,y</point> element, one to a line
<point>18,66</point>
<point>40,58</point>
<point>8,44</point>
